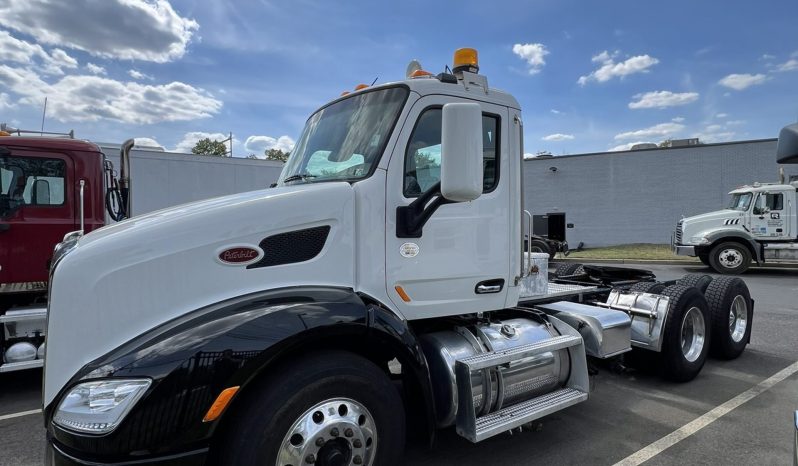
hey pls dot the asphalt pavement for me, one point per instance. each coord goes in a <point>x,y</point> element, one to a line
<point>734,412</point>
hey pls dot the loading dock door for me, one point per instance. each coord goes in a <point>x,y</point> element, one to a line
<point>540,225</point>
<point>556,226</point>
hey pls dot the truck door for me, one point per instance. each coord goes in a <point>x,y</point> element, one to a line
<point>769,219</point>
<point>36,210</point>
<point>461,262</point>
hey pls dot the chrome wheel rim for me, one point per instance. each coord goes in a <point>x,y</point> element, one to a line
<point>730,258</point>
<point>335,432</point>
<point>693,334</point>
<point>738,318</point>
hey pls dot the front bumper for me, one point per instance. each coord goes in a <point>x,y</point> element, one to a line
<point>55,456</point>
<point>681,250</point>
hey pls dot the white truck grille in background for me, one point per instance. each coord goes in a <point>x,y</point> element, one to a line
<point>679,232</point>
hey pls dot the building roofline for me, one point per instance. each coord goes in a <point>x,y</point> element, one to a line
<point>714,144</point>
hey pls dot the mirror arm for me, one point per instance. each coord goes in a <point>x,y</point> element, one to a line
<point>410,219</point>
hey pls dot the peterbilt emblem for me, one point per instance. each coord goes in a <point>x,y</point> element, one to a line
<point>238,255</point>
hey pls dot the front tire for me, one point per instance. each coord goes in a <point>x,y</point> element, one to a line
<point>730,258</point>
<point>686,334</point>
<point>325,409</point>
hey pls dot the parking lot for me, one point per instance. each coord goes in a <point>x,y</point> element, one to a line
<point>735,412</point>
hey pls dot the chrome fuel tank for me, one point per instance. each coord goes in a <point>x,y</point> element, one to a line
<point>497,387</point>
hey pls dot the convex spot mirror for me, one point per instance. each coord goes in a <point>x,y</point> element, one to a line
<point>461,152</point>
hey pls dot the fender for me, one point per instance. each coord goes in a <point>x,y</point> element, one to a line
<point>194,357</point>
<point>719,235</point>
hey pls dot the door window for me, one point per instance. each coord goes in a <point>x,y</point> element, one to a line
<point>423,155</point>
<point>26,181</point>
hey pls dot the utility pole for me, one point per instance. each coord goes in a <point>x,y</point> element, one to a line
<point>229,140</point>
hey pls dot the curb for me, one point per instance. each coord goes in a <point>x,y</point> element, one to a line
<point>660,262</point>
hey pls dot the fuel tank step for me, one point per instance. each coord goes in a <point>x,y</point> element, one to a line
<point>477,426</point>
<point>518,415</point>
<point>18,366</point>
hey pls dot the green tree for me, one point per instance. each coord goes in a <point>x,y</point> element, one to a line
<point>276,154</point>
<point>208,146</point>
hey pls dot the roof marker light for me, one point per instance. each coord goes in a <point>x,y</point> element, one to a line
<point>361,86</point>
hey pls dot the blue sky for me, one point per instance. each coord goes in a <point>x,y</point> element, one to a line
<point>590,76</point>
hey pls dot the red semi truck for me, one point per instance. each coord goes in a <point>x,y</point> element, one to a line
<point>55,186</point>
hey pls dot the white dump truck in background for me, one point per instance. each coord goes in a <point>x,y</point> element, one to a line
<point>760,224</point>
<point>381,288</point>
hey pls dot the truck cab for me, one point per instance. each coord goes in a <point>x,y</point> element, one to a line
<point>381,288</point>
<point>759,225</point>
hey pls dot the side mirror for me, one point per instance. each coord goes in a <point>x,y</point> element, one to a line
<point>787,149</point>
<point>461,152</point>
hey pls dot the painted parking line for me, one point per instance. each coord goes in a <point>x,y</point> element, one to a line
<point>20,414</point>
<point>706,419</point>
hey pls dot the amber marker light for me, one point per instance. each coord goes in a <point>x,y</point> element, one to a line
<point>218,406</point>
<point>402,293</point>
<point>361,86</point>
<point>420,74</point>
<point>466,59</point>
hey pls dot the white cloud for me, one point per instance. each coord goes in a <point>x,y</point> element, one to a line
<point>558,137</point>
<point>714,133</point>
<point>147,142</point>
<point>136,74</point>
<point>13,50</point>
<point>610,69</point>
<point>258,145</point>
<point>533,54</point>
<point>677,119</point>
<point>95,69</point>
<point>721,115</point>
<point>738,82</point>
<point>556,112</point>
<point>661,130</point>
<point>789,65</point>
<point>93,98</point>
<point>627,146</point>
<point>148,30</point>
<point>190,139</point>
<point>5,101</point>
<point>663,99</point>
<point>767,56</point>
<point>735,122</point>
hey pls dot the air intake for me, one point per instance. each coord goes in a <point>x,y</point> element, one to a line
<point>292,247</point>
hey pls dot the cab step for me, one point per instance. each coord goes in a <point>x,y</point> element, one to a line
<point>18,366</point>
<point>575,391</point>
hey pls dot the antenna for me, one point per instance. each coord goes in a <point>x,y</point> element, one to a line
<point>44,112</point>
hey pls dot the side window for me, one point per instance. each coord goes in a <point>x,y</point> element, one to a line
<point>423,154</point>
<point>28,181</point>
<point>775,201</point>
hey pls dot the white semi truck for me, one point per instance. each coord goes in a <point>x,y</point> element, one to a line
<point>759,225</point>
<point>380,288</point>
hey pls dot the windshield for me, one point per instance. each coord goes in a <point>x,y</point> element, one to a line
<point>343,141</point>
<point>740,201</point>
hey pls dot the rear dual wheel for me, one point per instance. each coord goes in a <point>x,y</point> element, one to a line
<point>686,333</point>
<point>732,314</point>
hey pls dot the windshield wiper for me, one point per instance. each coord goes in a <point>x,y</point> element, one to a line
<point>301,176</point>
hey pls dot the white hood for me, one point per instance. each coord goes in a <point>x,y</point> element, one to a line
<point>719,219</point>
<point>125,279</point>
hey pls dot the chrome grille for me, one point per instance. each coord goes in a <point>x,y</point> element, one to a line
<point>679,232</point>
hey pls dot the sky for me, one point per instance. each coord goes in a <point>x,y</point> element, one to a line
<point>590,76</point>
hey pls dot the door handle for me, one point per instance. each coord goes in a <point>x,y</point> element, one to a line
<point>5,226</point>
<point>489,286</point>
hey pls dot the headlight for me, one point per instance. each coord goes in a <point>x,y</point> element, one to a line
<point>699,240</point>
<point>99,407</point>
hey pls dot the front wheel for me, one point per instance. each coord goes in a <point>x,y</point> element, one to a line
<point>328,409</point>
<point>730,258</point>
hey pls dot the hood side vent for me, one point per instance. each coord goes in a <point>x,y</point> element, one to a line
<point>292,246</point>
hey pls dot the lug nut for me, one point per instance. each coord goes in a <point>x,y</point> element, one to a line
<point>319,442</point>
<point>334,432</point>
<point>357,460</point>
<point>311,458</point>
<point>348,432</point>
<point>357,443</point>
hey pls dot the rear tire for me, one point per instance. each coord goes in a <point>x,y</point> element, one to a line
<point>698,280</point>
<point>537,245</point>
<point>648,287</point>
<point>732,313</point>
<point>686,333</point>
<point>339,399</point>
<point>730,258</point>
<point>568,269</point>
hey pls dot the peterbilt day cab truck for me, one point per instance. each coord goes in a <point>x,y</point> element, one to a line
<point>54,184</point>
<point>382,287</point>
<point>759,225</point>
